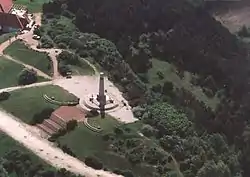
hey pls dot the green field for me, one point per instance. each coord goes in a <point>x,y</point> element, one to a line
<point>83,69</point>
<point>25,103</point>
<point>84,142</point>
<point>9,72</point>
<point>170,74</point>
<point>39,60</point>
<point>4,37</point>
<point>34,6</point>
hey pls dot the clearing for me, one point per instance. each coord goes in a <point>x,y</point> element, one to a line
<point>33,6</point>
<point>83,69</point>
<point>12,70</point>
<point>40,60</point>
<point>170,74</point>
<point>234,15</point>
<point>25,103</point>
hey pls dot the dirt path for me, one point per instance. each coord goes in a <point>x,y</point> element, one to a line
<point>4,45</point>
<point>9,89</point>
<point>39,72</point>
<point>21,133</point>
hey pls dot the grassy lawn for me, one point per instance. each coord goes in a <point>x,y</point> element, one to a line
<point>35,6</point>
<point>25,103</point>
<point>11,70</point>
<point>39,60</point>
<point>4,37</point>
<point>84,142</point>
<point>83,69</point>
<point>169,71</point>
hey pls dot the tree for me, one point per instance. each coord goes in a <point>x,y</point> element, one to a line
<point>64,69</point>
<point>167,88</point>
<point>93,162</point>
<point>211,168</point>
<point>244,32</point>
<point>27,76</point>
<point>71,125</point>
<point>39,117</point>
<point>4,96</point>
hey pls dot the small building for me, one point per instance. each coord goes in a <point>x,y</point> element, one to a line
<point>12,17</point>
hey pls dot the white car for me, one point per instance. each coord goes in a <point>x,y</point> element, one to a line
<point>36,37</point>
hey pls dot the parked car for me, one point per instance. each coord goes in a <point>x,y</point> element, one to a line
<point>36,37</point>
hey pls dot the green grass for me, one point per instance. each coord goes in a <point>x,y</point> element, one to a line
<point>39,60</point>
<point>4,37</point>
<point>9,72</point>
<point>25,103</point>
<point>84,142</point>
<point>169,72</point>
<point>83,69</point>
<point>35,6</point>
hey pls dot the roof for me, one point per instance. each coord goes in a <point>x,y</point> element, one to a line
<point>10,20</point>
<point>6,5</point>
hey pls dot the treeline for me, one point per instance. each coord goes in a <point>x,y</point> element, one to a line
<point>17,164</point>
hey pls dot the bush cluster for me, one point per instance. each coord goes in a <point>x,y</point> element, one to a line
<point>4,96</point>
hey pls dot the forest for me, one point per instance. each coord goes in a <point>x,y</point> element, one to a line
<point>124,37</point>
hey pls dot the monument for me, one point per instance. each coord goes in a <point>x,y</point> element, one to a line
<point>101,101</point>
<point>101,97</point>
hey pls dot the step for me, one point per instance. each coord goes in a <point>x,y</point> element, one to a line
<point>45,129</point>
<point>58,120</point>
<point>51,124</point>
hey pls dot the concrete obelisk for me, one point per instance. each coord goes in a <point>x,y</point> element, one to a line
<point>101,95</point>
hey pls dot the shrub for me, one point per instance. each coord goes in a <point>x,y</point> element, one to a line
<point>4,96</point>
<point>39,117</point>
<point>67,150</point>
<point>148,130</point>
<point>244,31</point>
<point>62,45</point>
<point>68,58</point>
<point>93,162</point>
<point>64,69</point>
<point>156,88</point>
<point>37,31</point>
<point>160,75</point>
<point>92,113</point>
<point>46,42</point>
<point>71,125</point>
<point>27,76</point>
<point>167,88</point>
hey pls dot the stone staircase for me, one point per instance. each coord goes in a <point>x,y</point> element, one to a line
<point>52,125</point>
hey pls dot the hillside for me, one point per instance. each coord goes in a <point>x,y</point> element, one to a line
<point>204,74</point>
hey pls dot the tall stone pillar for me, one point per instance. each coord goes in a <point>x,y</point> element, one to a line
<point>101,95</point>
